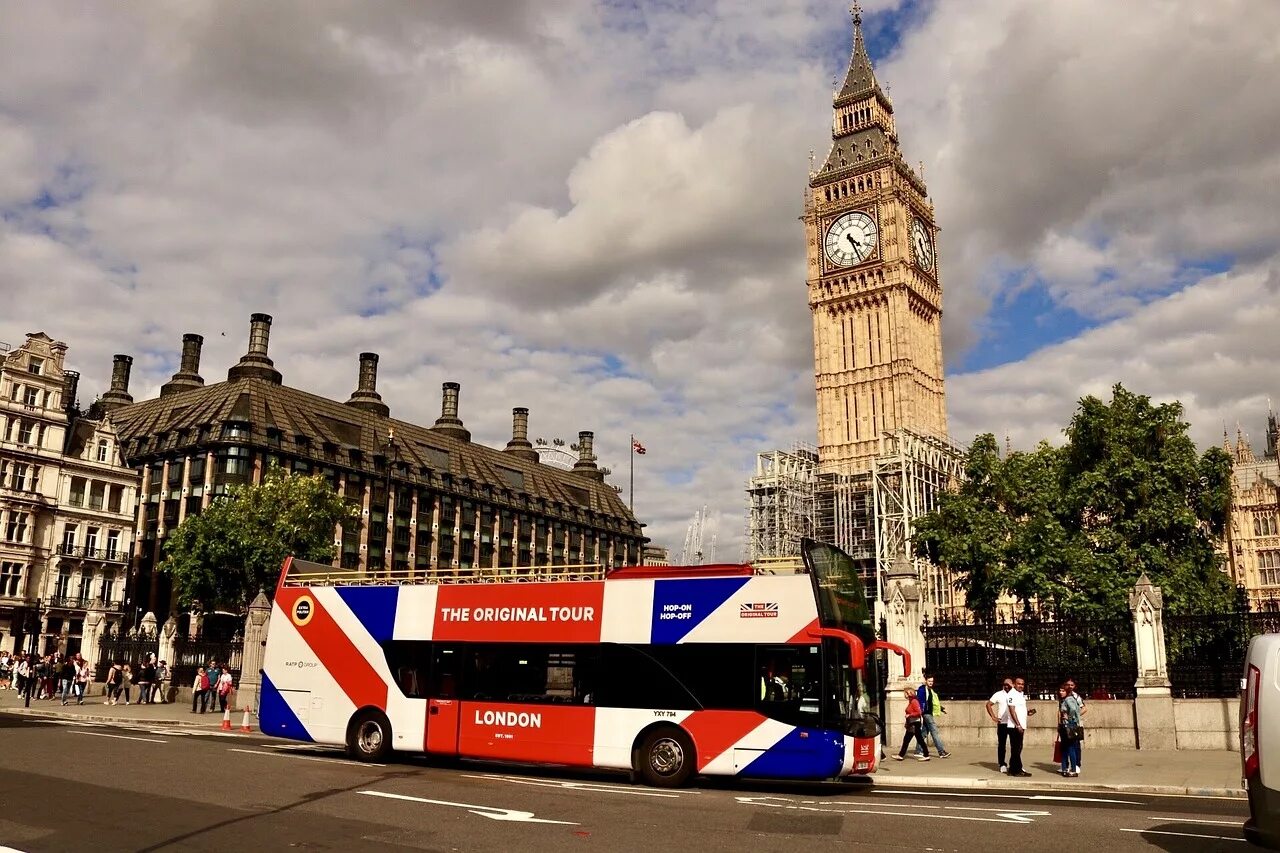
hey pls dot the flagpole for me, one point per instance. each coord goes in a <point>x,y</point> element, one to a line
<point>631,490</point>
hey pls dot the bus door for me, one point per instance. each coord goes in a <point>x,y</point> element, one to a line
<point>443,714</point>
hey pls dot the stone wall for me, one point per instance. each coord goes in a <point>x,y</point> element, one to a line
<point>1207,723</point>
<point>1108,723</point>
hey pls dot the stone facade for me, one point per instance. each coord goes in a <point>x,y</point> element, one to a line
<point>1253,536</point>
<point>66,503</point>
<point>873,282</point>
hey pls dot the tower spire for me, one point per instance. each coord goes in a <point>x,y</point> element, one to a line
<point>860,79</point>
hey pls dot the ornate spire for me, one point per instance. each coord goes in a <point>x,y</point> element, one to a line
<point>1244,453</point>
<point>860,80</point>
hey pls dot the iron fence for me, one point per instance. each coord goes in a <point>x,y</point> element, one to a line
<point>969,661</point>
<point>125,647</point>
<point>191,653</point>
<point>1205,652</point>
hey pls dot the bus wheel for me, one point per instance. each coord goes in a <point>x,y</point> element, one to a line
<point>666,758</point>
<point>369,736</point>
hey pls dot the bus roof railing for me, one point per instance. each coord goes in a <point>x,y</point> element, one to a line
<point>318,574</point>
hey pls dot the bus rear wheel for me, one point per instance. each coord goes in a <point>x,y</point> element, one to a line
<point>666,758</point>
<point>369,736</point>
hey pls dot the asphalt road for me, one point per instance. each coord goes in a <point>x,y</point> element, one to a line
<point>105,788</point>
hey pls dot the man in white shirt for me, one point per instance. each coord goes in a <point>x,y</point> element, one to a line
<point>1017,725</point>
<point>998,711</point>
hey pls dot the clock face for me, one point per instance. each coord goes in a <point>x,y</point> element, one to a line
<point>851,239</point>
<point>922,244</point>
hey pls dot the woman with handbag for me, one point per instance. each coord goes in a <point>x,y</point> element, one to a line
<point>912,728</point>
<point>1070,731</point>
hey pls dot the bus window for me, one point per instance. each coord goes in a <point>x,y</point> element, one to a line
<point>789,684</point>
<point>631,678</point>
<point>445,671</point>
<point>409,661</point>
<point>719,675</point>
<point>529,673</point>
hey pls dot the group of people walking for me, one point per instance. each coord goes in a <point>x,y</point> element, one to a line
<point>212,684</point>
<point>65,678</point>
<point>1008,709</point>
<point>150,677</point>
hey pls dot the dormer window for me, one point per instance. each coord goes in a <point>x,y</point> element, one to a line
<point>36,366</point>
<point>103,450</point>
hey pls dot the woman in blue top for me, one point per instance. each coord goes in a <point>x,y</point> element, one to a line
<point>1069,731</point>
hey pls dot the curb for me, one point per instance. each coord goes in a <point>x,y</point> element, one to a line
<point>100,718</point>
<point>1050,785</point>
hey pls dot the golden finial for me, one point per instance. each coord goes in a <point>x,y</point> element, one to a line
<point>855,11</point>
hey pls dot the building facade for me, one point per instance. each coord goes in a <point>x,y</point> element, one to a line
<point>66,504</point>
<point>1253,536</point>
<point>431,500</point>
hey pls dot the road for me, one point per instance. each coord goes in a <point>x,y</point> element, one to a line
<point>75,786</point>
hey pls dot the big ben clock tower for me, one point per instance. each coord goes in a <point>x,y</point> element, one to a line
<point>873,281</point>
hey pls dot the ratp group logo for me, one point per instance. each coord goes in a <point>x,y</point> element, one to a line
<point>303,609</point>
<point>758,610</point>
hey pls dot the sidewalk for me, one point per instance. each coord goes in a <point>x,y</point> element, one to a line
<point>1205,773</point>
<point>94,711</point>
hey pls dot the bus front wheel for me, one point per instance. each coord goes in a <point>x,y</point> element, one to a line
<point>666,758</point>
<point>369,736</point>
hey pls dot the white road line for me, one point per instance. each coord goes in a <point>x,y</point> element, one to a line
<point>1007,796</point>
<point>849,808</point>
<point>1182,834</point>
<point>305,757</point>
<point>120,737</point>
<point>1176,819</point>
<point>577,786</point>
<point>491,812</point>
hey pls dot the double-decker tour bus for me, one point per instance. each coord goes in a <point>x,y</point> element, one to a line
<point>663,671</point>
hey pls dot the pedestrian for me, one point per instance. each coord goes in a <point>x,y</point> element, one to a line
<point>1084,709</point>
<point>66,679</point>
<point>161,683</point>
<point>113,684</point>
<point>6,670</point>
<point>912,728</point>
<point>225,686</point>
<point>214,672</point>
<point>143,678</point>
<point>1017,726</point>
<point>1070,731</point>
<point>44,671</point>
<point>932,707</point>
<point>23,671</point>
<point>998,711</point>
<point>126,681</point>
<point>200,690</point>
<point>83,676</point>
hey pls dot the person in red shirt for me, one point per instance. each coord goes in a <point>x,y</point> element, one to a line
<point>912,728</point>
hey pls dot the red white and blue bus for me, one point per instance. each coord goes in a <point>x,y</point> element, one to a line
<point>663,671</point>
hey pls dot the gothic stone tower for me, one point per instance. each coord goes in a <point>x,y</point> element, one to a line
<point>873,281</point>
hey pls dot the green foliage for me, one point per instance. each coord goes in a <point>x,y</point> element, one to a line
<point>1073,527</point>
<point>224,555</point>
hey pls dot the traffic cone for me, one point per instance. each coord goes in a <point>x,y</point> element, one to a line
<point>244,721</point>
<point>226,719</point>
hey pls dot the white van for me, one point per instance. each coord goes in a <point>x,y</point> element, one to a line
<point>1260,739</point>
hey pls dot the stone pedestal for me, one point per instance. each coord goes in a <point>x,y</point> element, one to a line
<point>1153,707</point>
<point>254,653</point>
<point>904,617</point>
<point>94,624</point>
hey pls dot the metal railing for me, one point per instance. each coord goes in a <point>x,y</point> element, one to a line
<point>84,602</point>
<point>969,661</point>
<point>476,574</point>
<point>1205,652</point>
<point>112,555</point>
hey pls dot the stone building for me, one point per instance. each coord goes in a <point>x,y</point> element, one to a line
<point>1253,536</point>
<point>431,499</point>
<point>875,294</point>
<point>66,503</point>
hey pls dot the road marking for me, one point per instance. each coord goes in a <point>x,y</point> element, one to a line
<point>602,788</point>
<point>1182,834</point>
<point>305,757</point>
<point>121,737</point>
<point>491,812</point>
<point>1193,820</point>
<point>1008,796</point>
<point>850,808</point>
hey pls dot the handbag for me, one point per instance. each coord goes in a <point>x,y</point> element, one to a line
<point>1073,732</point>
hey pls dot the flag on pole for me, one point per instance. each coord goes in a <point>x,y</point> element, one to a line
<point>637,447</point>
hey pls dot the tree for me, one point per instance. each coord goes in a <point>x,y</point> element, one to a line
<point>1073,527</point>
<point>237,546</point>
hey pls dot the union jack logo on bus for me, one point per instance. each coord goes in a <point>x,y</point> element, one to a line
<point>758,610</point>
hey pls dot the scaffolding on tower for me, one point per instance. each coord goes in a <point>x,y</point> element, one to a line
<point>780,502</point>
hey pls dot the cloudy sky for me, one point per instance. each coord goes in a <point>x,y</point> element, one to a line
<point>590,208</point>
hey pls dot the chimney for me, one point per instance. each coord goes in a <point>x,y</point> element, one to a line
<point>70,386</point>
<point>519,445</point>
<point>119,394</point>
<point>255,364</point>
<point>586,464</point>
<point>366,395</point>
<point>448,422</point>
<point>188,375</point>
